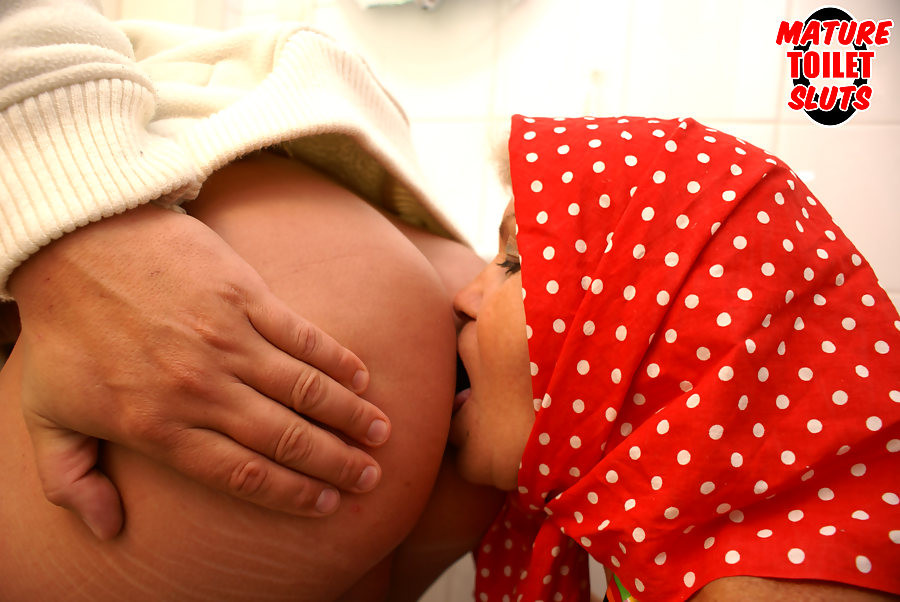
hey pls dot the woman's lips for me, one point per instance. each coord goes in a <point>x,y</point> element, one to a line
<point>462,377</point>
<point>461,398</point>
<point>463,386</point>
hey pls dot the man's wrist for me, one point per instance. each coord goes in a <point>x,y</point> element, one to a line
<point>34,280</point>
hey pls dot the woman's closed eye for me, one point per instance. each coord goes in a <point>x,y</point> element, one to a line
<point>511,264</point>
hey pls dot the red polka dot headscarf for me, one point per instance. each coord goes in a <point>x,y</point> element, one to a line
<point>715,372</point>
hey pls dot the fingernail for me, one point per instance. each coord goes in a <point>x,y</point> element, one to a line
<point>328,501</point>
<point>378,432</point>
<point>360,381</point>
<point>95,530</point>
<point>367,479</point>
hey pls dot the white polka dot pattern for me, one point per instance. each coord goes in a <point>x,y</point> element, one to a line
<point>722,363</point>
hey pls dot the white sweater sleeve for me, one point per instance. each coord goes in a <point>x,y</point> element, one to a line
<point>74,110</point>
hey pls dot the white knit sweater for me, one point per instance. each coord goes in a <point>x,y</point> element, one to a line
<point>97,118</point>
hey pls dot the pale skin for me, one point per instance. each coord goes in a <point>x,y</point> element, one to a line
<point>493,426</point>
<point>146,329</point>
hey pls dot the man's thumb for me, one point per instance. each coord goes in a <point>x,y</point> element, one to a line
<point>67,466</point>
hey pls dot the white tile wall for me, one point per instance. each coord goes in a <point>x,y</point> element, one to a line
<point>438,68</point>
<point>463,68</point>
<point>850,167</point>
<point>461,158</point>
<point>456,584</point>
<point>531,63</point>
<point>712,59</point>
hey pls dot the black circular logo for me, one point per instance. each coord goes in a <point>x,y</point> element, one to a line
<point>835,116</point>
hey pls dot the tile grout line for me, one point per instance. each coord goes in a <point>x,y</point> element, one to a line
<point>779,107</point>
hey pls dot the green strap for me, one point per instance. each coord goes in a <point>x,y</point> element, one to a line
<point>622,591</point>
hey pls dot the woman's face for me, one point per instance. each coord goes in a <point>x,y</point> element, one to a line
<point>493,419</point>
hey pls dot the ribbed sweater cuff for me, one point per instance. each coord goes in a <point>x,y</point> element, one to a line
<point>76,154</point>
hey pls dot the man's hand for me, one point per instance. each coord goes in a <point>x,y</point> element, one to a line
<point>148,330</point>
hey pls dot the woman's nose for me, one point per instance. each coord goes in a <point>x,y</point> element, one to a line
<point>468,299</point>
